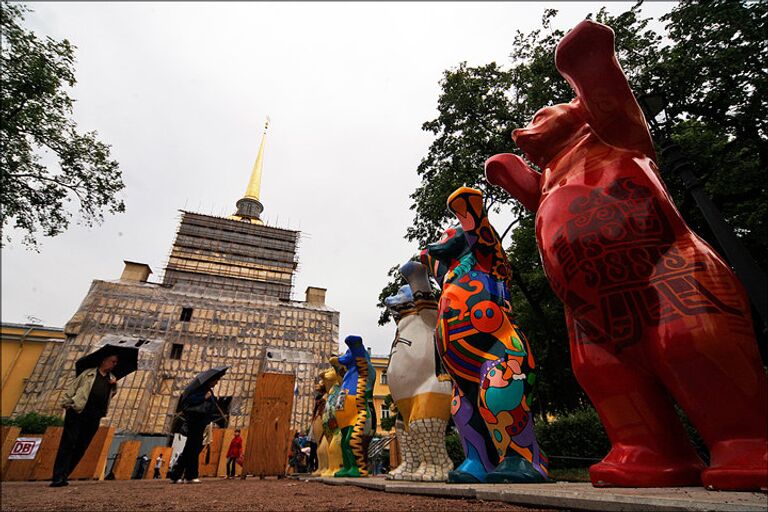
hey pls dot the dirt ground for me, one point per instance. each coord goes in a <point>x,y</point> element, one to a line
<point>224,495</point>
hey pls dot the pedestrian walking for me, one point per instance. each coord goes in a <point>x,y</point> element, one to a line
<point>86,401</point>
<point>312,461</point>
<point>172,465</point>
<point>158,465</point>
<point>296,454</point>
<point>234,452</point>
<point>140,468</point>
<point>198,408</point>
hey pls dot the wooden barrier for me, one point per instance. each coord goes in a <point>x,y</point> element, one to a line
<point>157,450</point>
<point>228,435</point>
<point>93,463</point>
<point>6,432</point>
<point>395,458</point>
<point>212,453</point>
<point>270,428</point>
<point>19,470</point>
<point>126,459</point>
<point>46,455</point>
<point>8,436</point>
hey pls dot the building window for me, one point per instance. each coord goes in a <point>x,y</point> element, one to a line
<point>383,378</point>
<point>176,350</point>
<point>186,314</point>
<point>384,412</point>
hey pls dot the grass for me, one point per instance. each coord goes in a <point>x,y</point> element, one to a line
<point>570,474</point>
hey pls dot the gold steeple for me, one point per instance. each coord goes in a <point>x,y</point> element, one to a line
<point>249,207</point>
<point>254,185</point>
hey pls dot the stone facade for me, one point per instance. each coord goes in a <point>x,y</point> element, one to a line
<point>230,312</point>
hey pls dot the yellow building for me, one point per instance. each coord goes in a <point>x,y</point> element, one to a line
<point>22,345</point>
<point>380,390</point>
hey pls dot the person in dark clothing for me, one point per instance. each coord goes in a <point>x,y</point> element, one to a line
<point>86,401</point>
<point>198,409</point>
<point>312,461</point>
<point>296,455</point>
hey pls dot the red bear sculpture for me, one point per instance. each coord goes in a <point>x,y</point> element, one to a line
<point>654,314</point>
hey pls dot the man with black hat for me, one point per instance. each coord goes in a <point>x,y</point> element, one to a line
<point>86,401</point>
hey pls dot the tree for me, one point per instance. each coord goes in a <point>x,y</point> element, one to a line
<point>396,281</point>
<point>713,75</point>
<point>388,423</point>
<point>36,124</point>
<point>712,71</point>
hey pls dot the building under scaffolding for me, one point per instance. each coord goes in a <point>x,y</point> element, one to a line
<point>225,299</point>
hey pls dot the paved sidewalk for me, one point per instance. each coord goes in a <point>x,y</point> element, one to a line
<point>576,496</point>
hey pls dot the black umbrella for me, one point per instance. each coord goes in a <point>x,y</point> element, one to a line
<point>127,359</point>
<point>202,379</point>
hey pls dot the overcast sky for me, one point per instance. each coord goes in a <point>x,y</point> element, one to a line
<point>180,91</point>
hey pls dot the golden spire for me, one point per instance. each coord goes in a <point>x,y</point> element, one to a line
<point>254,185</point>
<point>249,208</point>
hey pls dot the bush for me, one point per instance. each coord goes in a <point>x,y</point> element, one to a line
<point>578,434</point>
<point>575,440</point>
<point>453,446</point>
<point>34,423</point>
<point>574,436</point>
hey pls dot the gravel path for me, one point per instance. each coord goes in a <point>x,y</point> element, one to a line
<point>224,495</point>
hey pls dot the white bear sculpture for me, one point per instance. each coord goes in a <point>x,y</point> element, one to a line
<point>423,401</point>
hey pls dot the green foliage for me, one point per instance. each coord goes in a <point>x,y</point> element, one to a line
<point>578,434</point>
<point>35,122</point>
<point>396,281</point>
<point>388,423</point>
<point>474,122</point>
<point>713,75</point>
<point>34,423</point>
<point>453,446</point>
<point>569,474</point>
<point>711,68</point>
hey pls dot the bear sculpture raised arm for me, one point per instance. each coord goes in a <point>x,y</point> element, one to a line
<point>655,316</point>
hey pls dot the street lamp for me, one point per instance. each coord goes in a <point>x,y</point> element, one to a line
<point>676,162</point>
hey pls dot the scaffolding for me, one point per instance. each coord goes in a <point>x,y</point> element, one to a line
<point>216,252</point>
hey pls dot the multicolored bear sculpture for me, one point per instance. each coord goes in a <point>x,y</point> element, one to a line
<point>423,401</point>
<point>329,448</point>
<point>355,416</point>
<point>485,353</point>
<point>654,313</point>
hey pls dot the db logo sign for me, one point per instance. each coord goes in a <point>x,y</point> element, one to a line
<point>25,448</point>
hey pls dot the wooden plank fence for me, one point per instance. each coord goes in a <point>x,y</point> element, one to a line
<point>266,453</point>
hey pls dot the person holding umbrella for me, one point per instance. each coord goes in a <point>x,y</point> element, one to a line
<point>198,408</point>
<point>86,401</point>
